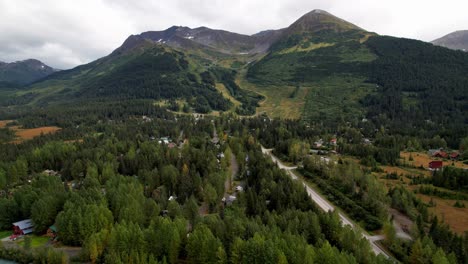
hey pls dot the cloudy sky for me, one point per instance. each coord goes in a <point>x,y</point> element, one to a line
<point>66,33</point>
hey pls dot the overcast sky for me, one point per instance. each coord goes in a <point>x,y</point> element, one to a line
<point>66,33</point>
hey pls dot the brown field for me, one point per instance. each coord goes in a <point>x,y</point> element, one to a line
<point>3,123</point>
<point>456,218</point>
<point>420,158</point>
<point>25,134</point>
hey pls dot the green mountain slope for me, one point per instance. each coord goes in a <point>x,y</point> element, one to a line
<point>321,69</point>
<point>347,74</point>
<point>147,70</point>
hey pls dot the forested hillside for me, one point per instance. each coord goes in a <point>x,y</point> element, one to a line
<point>400,84</point>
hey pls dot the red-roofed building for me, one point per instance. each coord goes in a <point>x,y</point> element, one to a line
<point>22,228</point>
<point>441,154</point>
<point>454,155</point>
<point>436,165</point>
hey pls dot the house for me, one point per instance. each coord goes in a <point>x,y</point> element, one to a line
<point>367,141</point>
<point>171,145</point>
<point>435,165</point>
<point>441,154</point>
<point>52,232</point>
<point>454,156</point>
<point>239,188</point>
<point>318,143</point>
<point>333,141</point>
<point>432,152</point>
<point>22,228</point>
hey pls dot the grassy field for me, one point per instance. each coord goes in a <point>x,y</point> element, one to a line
<point>220,87</point>
<point>36,241</point>
<point>5,233</point>
<point>455,218</point>
<point>23,134</point>
<point>423,159</point>
<point>277,102</point>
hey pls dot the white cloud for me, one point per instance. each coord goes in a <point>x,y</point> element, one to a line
<point>65,33</point>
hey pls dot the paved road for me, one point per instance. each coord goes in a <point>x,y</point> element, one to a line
<point>325,205</point>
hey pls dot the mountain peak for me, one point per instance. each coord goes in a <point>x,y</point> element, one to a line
<point>317,20</point>
<point>318,11</point>
<point>24,72</point>
<point>457,40</point>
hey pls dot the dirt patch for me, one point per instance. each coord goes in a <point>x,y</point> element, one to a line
<point>402,223</point>
<point>423,159</point>
<point>25,134</point>
<point>3,123</point>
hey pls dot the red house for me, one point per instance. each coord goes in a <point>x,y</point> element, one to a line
<point>22,228</point>
<point>441,154</point>
<point>454,155</point>
<point>435,165</point>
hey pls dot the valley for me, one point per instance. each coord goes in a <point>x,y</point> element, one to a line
<point>319,142</point>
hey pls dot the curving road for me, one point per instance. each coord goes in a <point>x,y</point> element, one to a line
<point>325,205</point>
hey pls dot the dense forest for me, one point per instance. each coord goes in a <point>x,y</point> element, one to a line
<point>112,198</point>
<point>118,191</point>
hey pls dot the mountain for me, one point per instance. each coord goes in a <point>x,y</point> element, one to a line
<point>326,72</point>
<point>232,43</point>
<point>218,40</point>
<point>23,72</point>
<point>318,20</point>
<point>457,40</point>
<point>321,69</point>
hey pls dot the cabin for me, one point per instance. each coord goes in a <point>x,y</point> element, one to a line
<point>52,232</point>
<point>22,228</point>
<point>441,154</point>
<point>454,156</point>
<point>432,152</point>
<point>435,165</point>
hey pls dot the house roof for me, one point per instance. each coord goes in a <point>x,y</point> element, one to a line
<point>28,230</point>
<point>53,228</point>
<point>24,224</point>
<point>441,154</point>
